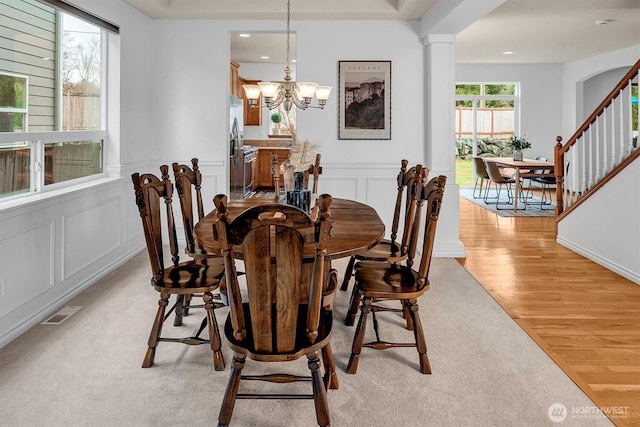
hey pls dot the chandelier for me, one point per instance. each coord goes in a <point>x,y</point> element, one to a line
<point>287,92</point>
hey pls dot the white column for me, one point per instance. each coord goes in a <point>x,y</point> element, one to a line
<point>439,79</point>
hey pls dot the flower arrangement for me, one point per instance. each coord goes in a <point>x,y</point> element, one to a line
<point>303,153</point>
<point>519,143</point>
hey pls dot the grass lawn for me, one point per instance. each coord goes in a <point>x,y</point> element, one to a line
<point>464,173</point>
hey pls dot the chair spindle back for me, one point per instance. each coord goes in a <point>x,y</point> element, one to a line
<point>188,184</point>
<point>149,191</point>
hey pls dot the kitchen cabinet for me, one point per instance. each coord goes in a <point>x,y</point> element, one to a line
<point>234,84</point>
<point>265,155</point>
<point>252,116</point>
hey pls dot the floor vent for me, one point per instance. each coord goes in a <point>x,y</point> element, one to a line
<point>63,314</point>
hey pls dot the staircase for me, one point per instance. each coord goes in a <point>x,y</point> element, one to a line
<point>598,184</point>
<point>602,147</point>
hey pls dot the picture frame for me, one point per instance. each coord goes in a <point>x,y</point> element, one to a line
<point>364,107</point>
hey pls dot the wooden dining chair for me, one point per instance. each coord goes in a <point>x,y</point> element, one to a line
<point>188,182</point>
<point>314,171</point>
<point>275,172</point>
<point>390,250</point>
<point>179,278</point>
<point>283,314</point>
<point>376,282</point>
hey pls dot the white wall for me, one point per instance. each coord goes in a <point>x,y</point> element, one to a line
<point>576,72</point>
<point>596,88</point>
<point>605,227</point>
<point>190,109</point>
<point>541,95</point>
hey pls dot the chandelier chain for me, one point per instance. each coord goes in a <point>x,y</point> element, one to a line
<point>287,92</point>
<point>288,29</point>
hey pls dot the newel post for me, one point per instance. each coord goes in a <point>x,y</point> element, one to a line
<point>559,168</point>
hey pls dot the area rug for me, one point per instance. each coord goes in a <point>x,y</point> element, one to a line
<point>86,371</point>
<point>532,205</point>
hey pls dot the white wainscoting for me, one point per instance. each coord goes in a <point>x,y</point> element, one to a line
<point>22,284</point>
<point>54,246</point>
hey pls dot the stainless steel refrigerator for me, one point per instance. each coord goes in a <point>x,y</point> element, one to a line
<point>236,155</point>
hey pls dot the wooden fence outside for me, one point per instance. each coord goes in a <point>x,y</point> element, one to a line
<point>81,112</point>
<point>491,123</point>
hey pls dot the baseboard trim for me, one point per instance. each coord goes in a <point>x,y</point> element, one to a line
<point>449,250</point>
<point>634,277</point>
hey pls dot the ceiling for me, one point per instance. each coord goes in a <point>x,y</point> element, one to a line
<point>536,31</point>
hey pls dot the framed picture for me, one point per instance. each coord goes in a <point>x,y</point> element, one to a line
<point>364,108</point>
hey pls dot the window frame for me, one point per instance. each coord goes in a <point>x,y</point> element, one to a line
<point>24,110</point>
<point>37,140</point>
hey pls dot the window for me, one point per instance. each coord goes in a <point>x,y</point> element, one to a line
<point>13,103</point>
<point>52,96</point>
<point>487,114</point>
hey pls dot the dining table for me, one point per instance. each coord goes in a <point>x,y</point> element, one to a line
<point>356,227</point>
<point>523,168</point>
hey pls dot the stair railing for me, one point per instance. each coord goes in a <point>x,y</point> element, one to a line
<point>604,141</point>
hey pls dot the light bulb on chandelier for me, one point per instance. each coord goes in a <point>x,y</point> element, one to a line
<point>287,92</point>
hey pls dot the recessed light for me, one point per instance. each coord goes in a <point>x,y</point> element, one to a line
<point>244,35</point>
<point>264,57</point>
<point>507,52</point>
<point>293,60</point>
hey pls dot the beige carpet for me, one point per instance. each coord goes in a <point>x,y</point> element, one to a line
<point>86,371</point>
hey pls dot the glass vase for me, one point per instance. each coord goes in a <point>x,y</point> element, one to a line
<point>299,196</point>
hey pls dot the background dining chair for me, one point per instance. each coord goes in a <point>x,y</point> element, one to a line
<point>500,180</point>
<point>377,282</point>
<point>314,171</point>
<point>275,172</point>
<point>480,170</point>
<point>546,182</point>
<point>390,250</point>
<point>188,182</point>
<point>179,278</point>
<point>281,316</point>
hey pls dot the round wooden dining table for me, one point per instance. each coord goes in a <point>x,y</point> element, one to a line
<point>356,226</point>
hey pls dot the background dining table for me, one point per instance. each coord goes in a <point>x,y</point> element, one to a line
<point>522,167</point>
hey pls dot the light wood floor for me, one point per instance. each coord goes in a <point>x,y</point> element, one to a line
<point>585,317</point>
